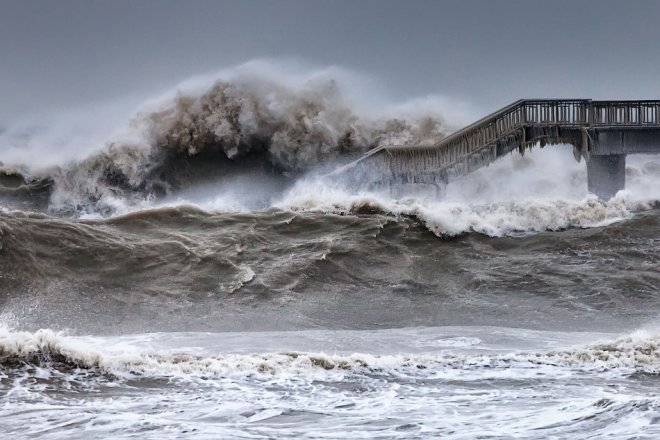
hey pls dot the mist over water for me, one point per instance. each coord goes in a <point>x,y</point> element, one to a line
<point>188,267</point>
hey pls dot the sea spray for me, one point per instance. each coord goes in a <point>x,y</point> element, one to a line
<point>546,190</point>
<point>244,120</point>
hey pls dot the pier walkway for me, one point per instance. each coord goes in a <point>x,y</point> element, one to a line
<point>601,132</point>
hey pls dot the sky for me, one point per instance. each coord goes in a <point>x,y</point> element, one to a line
<point>67,54</point>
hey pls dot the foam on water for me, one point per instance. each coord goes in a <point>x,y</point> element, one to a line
<point>134,385</point>
<point>544,191</point>
<point>637,352</point>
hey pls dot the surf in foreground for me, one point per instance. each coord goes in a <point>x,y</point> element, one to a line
<point>455,382</point>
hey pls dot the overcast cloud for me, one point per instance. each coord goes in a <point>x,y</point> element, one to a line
<point>68,53</point>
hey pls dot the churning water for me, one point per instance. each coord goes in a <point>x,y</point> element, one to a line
<point>200,278</point>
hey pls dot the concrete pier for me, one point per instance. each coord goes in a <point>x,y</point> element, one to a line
<point>606,175</point>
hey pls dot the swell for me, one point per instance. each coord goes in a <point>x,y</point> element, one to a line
<point>199,269</point>
<point>184,269</point>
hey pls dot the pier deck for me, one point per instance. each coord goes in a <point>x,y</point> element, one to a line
<point>601,132</point>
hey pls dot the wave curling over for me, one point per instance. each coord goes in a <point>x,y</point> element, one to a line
<point>247,120</point>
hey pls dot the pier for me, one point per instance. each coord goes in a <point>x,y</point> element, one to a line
<point>601,132</point>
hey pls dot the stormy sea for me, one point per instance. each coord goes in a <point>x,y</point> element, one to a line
<point>202,273</point>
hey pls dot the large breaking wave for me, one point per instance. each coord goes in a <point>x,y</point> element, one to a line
<point>241,122</point>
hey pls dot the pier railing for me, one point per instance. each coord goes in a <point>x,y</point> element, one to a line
<point>625,113</point>
<point>568,113</point>
<point>498,133</point>
<point>564,112</point>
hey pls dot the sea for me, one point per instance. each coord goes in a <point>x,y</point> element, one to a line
<point>208,277</point>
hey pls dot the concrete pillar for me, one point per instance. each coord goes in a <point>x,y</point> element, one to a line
<point>606,174</point>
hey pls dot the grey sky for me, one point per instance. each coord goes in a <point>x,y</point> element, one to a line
<point>55,54</point>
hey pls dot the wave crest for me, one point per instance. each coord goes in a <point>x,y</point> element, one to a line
<point>234,125</point>
<point>639,352</point>
<point>495,219</point>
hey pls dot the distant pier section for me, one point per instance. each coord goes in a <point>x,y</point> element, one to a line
<point>601,132</point>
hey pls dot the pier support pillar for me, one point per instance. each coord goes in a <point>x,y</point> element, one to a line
<point>606,174</point>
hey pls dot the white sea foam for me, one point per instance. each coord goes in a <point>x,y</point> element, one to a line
<point>457,392</point>
<point>639,351</point>
<point>544,191</point>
